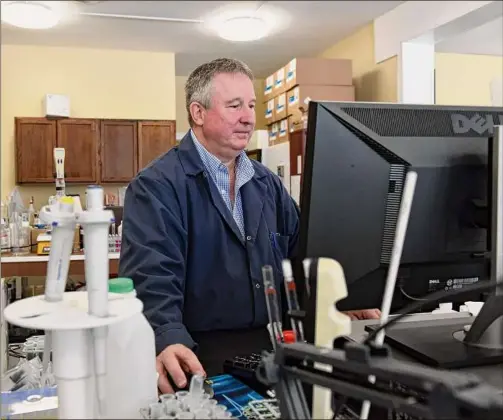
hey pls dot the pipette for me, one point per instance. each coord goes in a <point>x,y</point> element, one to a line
<point>271,299</point>
<point>292,299</point>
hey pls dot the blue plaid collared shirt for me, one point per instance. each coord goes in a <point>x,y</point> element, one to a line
<point>220,176</point>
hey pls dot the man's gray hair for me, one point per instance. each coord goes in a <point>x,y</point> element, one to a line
<point>199,83</point>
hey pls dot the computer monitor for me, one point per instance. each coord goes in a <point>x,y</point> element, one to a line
<point>356,158</point>
<point>357,155</point>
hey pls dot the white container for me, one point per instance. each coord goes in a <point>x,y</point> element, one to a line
<point>131,360</point>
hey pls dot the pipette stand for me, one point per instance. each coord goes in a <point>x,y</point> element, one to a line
<point>76,318</point>
<point>71,326</point>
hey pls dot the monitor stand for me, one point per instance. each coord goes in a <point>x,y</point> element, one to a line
<point>487,329</point>
<point>457,345</point>
<point>440,343</point>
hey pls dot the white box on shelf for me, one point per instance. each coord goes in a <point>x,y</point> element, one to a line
<point>56,105</point>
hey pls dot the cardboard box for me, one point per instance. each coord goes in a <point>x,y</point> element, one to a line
<point>273,133</point>
<point>268,85</point>
<point>269,112</point>
<point>283,132</point>
<point>296,97</point>
<point>296,122</point>
<point>318,71</point>
<point>279,82</point>
<point>280,107</point>
<point>35,233</point>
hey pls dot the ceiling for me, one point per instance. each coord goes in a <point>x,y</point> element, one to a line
<point>303,28</point>
<point>486,39</point>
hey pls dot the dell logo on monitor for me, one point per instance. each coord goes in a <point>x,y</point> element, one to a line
<point>481,124</point>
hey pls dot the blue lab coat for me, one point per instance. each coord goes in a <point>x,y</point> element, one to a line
<point>181,246</point>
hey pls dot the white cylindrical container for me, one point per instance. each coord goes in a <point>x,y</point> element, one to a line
<point>131,369</point>
<point>72,370</point>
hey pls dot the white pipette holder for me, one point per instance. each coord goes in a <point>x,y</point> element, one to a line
<point>71,326</point>
<point>76,319</point>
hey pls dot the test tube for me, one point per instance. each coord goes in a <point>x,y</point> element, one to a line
<point>219,411</point>
<point>167,397</point>
<point>272,304</point>
<point>210,404</point>
<point>185,415</point>
<point>180,395</point>
<point>172,407</point>
<point>202,413</point>
<point>156,410</point>
<point>196,388</point>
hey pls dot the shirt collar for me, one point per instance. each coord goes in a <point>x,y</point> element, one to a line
<point>212,163</point>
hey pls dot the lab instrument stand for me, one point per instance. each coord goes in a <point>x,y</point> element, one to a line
<point>71,326</point>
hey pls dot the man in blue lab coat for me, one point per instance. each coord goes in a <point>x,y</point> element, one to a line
<point>200,223</point>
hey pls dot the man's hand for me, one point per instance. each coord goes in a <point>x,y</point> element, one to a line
<point>364,314</point>
<point>174,361</point>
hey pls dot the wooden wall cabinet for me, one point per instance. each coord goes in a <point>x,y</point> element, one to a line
<point>35,142</point>
<point>119,142</point>
<point>79,138</point>
<point>154,139</point>
<point>96,150</point>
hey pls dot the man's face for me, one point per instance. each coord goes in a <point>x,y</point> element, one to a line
<point>229,122</point>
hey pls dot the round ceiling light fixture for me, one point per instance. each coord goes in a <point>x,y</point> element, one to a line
<point>243,29</point>
<point>29,14</point>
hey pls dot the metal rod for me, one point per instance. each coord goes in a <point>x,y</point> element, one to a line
<point>138,17</point>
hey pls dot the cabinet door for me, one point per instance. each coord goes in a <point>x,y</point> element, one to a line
<point>154,139</point>
<point>119,145</point>
<point>35,143</point>
<point>297,152</point>
<point>80,138</point>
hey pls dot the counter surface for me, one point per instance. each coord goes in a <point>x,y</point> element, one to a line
<point>44,258</point>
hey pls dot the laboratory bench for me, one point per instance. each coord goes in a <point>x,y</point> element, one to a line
<point>36,265</point>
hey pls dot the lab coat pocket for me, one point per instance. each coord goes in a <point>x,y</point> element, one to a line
<point>279,244</point>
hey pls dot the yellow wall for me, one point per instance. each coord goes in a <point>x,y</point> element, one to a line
<point>373,82</point>
<point>100,84</point>
<point>182,124</point>
<point>464,79</point>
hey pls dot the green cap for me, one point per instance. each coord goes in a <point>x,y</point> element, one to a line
<point>120,285</point>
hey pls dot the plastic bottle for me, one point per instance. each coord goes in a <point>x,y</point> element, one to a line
<point>131,368</point>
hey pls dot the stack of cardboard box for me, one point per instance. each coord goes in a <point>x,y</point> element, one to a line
<point>288,90</point>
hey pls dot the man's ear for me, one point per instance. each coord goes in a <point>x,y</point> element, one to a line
<point>197,112</point>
